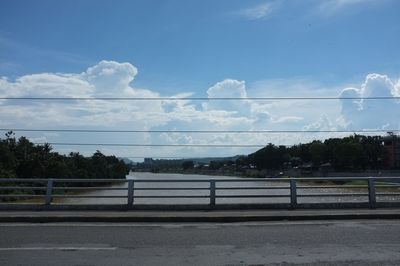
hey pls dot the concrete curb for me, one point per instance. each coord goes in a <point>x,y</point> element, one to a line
<point>210,217</point>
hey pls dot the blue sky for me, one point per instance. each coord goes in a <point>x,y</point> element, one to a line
<point>199,48</point>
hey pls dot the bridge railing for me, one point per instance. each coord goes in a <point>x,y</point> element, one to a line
<point>372,192</point>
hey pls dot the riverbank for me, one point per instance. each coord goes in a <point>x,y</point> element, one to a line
<point>255,173</point>
<point>248,173</point>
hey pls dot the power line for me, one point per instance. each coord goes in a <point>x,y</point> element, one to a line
<point>197,131</point>
<point>153,145</point>
<point>178,157</point>
<point>193,98</point>
<point>160,157</point>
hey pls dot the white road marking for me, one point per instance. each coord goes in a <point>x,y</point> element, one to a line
<point>56,248</point>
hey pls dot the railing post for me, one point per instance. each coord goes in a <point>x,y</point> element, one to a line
<point>371,193</point>
<point>212,193</point>
<point>130,192</point>
<point>49,192</point>
<point>293,194</point>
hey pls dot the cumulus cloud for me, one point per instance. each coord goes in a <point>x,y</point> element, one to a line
<point>109,76</point>
<point>370,113</point>
<point>244,109</point>
<point>114,79</point>
<point>46,85</point>
<point>397,89</point>
<point>228,88</point>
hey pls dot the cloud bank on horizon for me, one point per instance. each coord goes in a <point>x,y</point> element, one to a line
<point>115,79</point>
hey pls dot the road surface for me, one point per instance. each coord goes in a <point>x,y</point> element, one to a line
<point>289,243</point>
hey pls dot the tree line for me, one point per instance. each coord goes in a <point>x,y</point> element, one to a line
<point>20,158</point>
<point>356,152</point>
<point>351,153</point>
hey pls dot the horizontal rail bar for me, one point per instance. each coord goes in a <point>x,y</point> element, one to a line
<point>168,188</point>
<point>172,197</point>
<point>387,194</point>
<point>256,180</point>
<point>344,186</point>
<point>252,196</point>
<point>377,178</point>
<point>90,180</point>
<point>22,180</point>
<point>333,195</point>
<point>32,188</point>
<point>57,180</point>
<point>64,180</point>
<point>87,196</point>
<point>88,188</point>
<point>173,180</point>
<point>250,188</point>
<point>21,196</point>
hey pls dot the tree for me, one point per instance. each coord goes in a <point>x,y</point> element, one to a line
<point>317,151</point>
<point>187,165</point>
<point>269,157</point>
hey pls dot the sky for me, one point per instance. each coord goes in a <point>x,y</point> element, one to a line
<point>209,49</point>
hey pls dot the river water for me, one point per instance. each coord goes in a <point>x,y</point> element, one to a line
<point>265,188</point>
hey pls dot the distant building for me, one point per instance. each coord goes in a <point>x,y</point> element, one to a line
<point>391,146</point>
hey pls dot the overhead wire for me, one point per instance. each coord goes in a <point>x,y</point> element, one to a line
<point>195,131</point>
<point>195,98</point>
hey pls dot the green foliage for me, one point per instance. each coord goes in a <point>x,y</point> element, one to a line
<point>214,165</point>
<point>22,159</point>
<point>269,157</point>
<point>187,165</point>
<point>355,152</point>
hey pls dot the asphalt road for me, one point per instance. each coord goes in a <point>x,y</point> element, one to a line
<point>286,243</point>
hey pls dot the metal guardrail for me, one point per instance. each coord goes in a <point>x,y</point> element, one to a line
<point>293,189</point>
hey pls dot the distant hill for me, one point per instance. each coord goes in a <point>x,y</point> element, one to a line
<point>201,160</point>
<point>207,160</point>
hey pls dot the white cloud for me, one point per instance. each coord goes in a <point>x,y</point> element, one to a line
<point>46,85</point>
<point>113,79</point>
<point>371,114</point>
<point>341,3</point>
<point>377,85</point>
<point>109,76</point>
<point>228,88</point>
<point>287,119</point>
<point>333,6</point>
<point>322,124</point>
<point>257,12</point>
<point>397,89</point>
